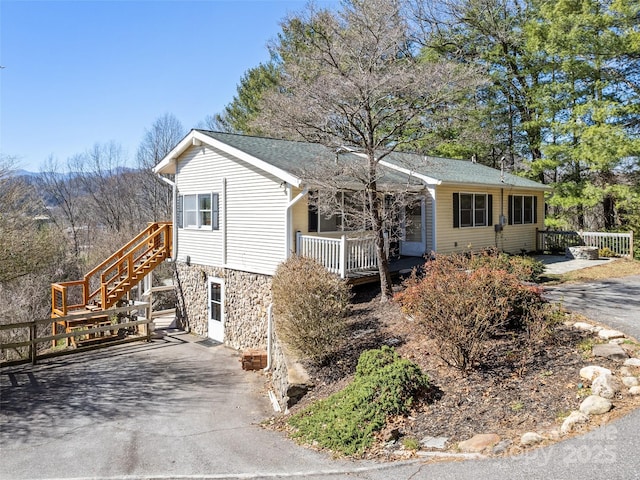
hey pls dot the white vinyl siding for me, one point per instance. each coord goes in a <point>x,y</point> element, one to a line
<point>252,208</point>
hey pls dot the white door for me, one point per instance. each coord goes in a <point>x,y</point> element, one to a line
<point>414,230</point>
<point>215,325</point>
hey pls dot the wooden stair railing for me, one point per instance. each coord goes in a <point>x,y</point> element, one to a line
<point>108,282</point>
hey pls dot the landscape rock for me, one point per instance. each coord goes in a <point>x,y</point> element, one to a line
<point>632,362</point>
<point>626,372</point>
<point>604,386</point>
<point>394,435</point>
<point>584,326</point>
<point>592,371</point>
<point>575,418</point>
<point>595,405</point>
<point>610,334</point>
<point>438,443</point>
<point>610,351</point>
<point>617,341</point>
<point>634,390</point>
<point>502,446</point>
<point>630,381</point>
<point>479,443</point>
<point>581,252</point>
<point>531,438</point>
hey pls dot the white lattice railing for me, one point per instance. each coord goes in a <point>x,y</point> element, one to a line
<point>341,255</point>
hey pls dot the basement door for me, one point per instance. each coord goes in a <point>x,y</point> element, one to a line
<point>215,324</point>
<point>414,230</point>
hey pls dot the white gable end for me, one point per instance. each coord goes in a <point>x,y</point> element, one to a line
<point>252,212</point>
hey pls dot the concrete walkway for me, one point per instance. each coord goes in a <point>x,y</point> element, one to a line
<point>559,264</point>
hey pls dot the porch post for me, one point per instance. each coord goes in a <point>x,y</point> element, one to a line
<point>343,256</point>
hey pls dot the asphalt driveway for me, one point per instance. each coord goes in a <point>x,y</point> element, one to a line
<point>180,407</point>
<point>613,302</point>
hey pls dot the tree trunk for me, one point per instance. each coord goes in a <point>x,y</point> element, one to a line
<point>383,268</point>
<point>381,254</point>
<point>608,206</point>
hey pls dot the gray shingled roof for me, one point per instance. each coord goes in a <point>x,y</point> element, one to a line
<point>294,156</point>
<point>450,171</point>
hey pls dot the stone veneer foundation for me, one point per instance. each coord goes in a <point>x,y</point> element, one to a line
<point>246,299</point>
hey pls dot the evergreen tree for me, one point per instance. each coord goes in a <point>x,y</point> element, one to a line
<point>589,100</point>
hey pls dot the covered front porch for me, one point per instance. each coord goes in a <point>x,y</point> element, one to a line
<point>352,255</point>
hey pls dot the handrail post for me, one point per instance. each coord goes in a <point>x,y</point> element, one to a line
<point>343,256</point>
<point>298,243</point>
<point>85,290</point>
<point>33,351</point>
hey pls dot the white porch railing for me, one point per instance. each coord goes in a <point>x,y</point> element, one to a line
<point>553,240</point>
<point>343,254</point>
<point>620,243</point>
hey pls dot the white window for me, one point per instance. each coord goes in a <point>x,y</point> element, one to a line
<point>199,211</point>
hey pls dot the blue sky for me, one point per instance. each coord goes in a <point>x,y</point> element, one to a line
<point>81,72</point>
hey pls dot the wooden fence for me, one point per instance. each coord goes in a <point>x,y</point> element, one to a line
<point>95,330</point>
<point>556,241</point>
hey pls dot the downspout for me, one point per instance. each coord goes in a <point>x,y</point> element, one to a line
<point>174,219</point>
<point>434,221</point>
<point>224,221</point>
<point>287,247</point>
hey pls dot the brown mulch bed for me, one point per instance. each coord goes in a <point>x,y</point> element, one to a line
<point>498,397</point>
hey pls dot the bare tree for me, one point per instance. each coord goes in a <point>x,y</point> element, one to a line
<point>352,79</point>
<point>157,142</point>
<point>68,205</point>
<point>27,245</point>
<point>103,175</point>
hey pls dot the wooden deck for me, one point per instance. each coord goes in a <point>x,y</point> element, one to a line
<point>396,266</point>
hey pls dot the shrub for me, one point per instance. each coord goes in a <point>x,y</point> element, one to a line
<point>384,384</point>
<point>537,327</point>
<point>311,307</point>
<point>526,269</point>
<point>462,308</point>
<point>606,252</point>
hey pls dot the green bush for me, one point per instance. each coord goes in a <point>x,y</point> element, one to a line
<point>462,308</point>
<point>606,252</point>
<point>384,384</point>
<point>311,307</point>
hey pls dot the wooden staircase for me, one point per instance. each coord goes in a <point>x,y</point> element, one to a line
<point>110,281</point>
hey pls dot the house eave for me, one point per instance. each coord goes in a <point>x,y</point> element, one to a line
<point>168,164</point>
<point>543,188</point>
<point>424,178</point>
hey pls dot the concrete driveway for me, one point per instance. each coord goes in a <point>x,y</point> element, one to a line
<point>182,408</point>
